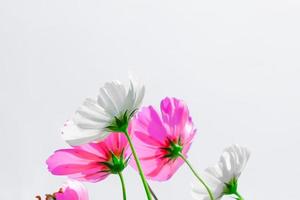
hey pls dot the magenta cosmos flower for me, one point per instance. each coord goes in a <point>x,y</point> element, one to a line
<point>161,139</point>
<point>91,162</point>
<point>72,190</point>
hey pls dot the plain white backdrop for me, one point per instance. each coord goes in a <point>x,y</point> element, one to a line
<point>236,64</point>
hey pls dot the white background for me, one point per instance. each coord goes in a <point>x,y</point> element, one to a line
<point>236,64</point>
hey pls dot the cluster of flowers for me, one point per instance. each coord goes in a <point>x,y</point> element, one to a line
<point>105,133</point>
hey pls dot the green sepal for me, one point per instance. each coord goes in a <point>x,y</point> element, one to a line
<point>120,123</point>
<point>231,187</point>
<point>174,150</point>
<point>117,163</point>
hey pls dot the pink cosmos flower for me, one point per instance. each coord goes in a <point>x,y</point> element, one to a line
<point>91,162</point>
<point>72,190</point>
<point>161,139</point>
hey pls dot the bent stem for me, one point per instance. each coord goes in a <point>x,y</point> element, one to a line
<point>197,176</point>
<point>123,185</point>
<point>138,164</point>
<point>152,193</point>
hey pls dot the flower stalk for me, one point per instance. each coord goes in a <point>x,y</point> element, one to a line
<point>145,184</point>
<point>197,176</point>
<point>120,124</point>
<point>123,185</point>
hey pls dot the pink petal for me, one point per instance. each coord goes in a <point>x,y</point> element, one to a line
<point>116,142</point>
<point>174,113</point>
<point>144,138</point>
<point>66,157</point>
<point>68,169</point>
<point>73,190</point>
<point>68,194</point>
<point>81,154</point>
<point>97,148</point>
<point>149,122</point>
<point>93,178</point>
<point>165,170</point>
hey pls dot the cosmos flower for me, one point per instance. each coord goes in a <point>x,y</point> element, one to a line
<point>72,190</point>
<point>91,162</point>
<point>162,138</point>
<point>111,111</point>
<point>223,177</point>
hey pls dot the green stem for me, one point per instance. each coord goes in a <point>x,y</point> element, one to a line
<point>198,177</point>
<point>239,196</point>
<point>138,164</point>
<point>123,185</point>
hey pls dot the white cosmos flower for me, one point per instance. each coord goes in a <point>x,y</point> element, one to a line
<point>91,120</point>
<point>222,178</point>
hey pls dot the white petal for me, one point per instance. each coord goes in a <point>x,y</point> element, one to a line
<point>225,166</point>
<point>74,135</point>
<point>86,123</point>
<point>91,116</point>
<point>199,192</point>
<point>90,110</point>
<point>232,162</point>
<point>130,98</point>
<point>92,105</point>
<point>139,96</point>
<point>215,171</point>
<point>117,92</point>
<point>135,94</point>
<point>106,102</point>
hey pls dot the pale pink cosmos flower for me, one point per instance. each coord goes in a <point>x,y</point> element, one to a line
<point>162,138</point>
<point>91,162</point>
<point>72,190</point>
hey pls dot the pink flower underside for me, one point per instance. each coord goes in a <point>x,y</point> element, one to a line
<point>83,162</point>
<point>75,191</point>
<point>68,194</point>
<point>151,133</point>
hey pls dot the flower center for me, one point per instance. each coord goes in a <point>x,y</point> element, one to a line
<point>117,163</point>
<point>174,150</point>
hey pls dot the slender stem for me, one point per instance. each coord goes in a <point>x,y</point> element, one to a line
<point>123,185</point>
<point>138,164</point>
<point>239,196</point>
<point>198,177</point>
<point>152,193</point>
